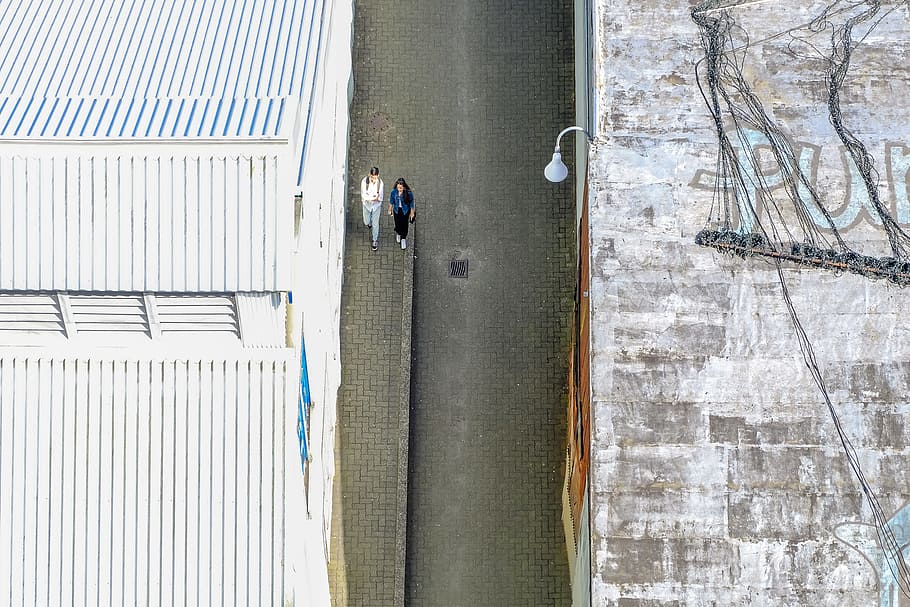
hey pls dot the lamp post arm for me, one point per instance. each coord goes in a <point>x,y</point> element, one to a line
<point>571,128</point>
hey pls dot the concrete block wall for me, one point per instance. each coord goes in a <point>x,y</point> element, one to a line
<point>718,477</point>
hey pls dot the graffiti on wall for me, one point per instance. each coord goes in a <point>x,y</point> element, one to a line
<point>863,538</point>
<point>848,207</point>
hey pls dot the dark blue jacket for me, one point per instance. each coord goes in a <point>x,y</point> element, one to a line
<point>401,204</point>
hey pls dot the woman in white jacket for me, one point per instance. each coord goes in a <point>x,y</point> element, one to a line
<point>371,194</point>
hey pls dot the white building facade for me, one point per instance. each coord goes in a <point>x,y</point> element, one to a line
<point>171,199</point>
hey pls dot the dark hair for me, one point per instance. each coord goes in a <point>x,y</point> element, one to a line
<point>374,171</point>
<point>404,183</point>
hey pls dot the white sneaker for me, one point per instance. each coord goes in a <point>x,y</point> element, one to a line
<point>397,237</point>
<point>404,244</point>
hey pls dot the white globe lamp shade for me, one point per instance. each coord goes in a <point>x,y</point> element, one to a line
<point>556,171</point>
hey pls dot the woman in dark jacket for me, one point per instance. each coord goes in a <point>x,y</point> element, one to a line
<point>401,207</point>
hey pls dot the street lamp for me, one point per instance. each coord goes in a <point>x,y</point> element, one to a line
<point>556,171</point>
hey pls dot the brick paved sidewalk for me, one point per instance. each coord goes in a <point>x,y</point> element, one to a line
<point>368,526</point>
<point>369,512</point>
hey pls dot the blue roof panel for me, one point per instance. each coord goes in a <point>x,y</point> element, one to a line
<point>192,68</point>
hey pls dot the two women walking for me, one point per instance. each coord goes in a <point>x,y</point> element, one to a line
<point>401,207</point>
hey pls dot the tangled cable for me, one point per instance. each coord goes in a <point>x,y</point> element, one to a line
<point>748,219</point>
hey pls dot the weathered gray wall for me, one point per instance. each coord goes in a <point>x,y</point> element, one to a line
<point>718,477</point>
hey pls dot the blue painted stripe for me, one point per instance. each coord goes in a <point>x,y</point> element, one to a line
<point>189,120</point>
<point>173,46</point>
<point>309,113</point>
<point>193,40</point>
<point>125,56</point>
<point>91,58</point>
<point>303,408</point>
<point>63,115</point>
<point>277,45</point>
<point>67,73</point>
<point>151,121</point>
<point>110,60</point>
<point>256,105</point>
<point>243,50</point>
<point>23,116</point>
<point>106,55</point>
<point>138,117</point>
<point>221,56</point>
<point>88,115</point>
<point>227,121</point>
<point>268,38</point>
<point>207,61</point>
<point>8,20</point>
<point>295,43</point>
<point>233,51</point>
<point>11,114</point>
<point>243,109</point>
<point>215,118</point>
<point>160,67</point>
<point>17,57</point>
<point>129,112</point>
<point>175,123</point>
<point>50,116</point>
<point>205,111</point>
<point>69,130</point>
<point>140,69</point>
<point>268,115</point>
<point>99,121</point>
<point>310,51</point>
<point>45,42</point>
<point>167,110</point>
<point>110,125</point>
<point>280,115</point>
<point>31,127</point>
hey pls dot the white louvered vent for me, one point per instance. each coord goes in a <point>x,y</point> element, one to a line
<point>262,319</point>
<point>197,314</point>
<point>110,313</point>
<point>31,313</point>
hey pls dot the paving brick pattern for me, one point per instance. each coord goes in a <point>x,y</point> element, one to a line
<point>463,99</point>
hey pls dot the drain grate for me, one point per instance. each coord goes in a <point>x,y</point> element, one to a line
<point>458,268</point>
<point>379,122</point>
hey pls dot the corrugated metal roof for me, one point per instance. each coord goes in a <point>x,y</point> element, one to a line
<point>128,482</point>
<point>206,68</point>
<point>141,119</point>
<point>165,223</point>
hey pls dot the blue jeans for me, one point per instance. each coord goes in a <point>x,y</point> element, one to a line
<point>372,217</point>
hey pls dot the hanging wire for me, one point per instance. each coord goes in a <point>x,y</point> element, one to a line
<point>886,538</point>
<point>752,218</point>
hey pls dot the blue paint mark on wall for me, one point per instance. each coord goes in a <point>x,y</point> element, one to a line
<point>863,538</point>
<point>303,408</point>
<point>854,205</point>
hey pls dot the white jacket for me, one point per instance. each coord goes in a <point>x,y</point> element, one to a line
<point>371,194</point>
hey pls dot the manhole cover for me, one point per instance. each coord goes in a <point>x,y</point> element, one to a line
<point>379,122</point>
<point>458,268</point>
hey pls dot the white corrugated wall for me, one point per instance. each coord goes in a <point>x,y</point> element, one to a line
<point>165,223</point>
<point>143,482</point>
